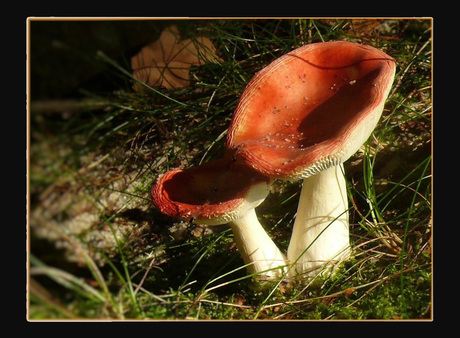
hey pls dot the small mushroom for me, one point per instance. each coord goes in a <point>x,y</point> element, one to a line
<point>219,192</point>
<point>328,98</point>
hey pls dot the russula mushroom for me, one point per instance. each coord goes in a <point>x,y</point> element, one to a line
<point>219,192</point>
<point>301,117</point>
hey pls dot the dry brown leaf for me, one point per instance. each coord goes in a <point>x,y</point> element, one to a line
<point>167,61</point>
<point>365,27</point>
<point>239,299</point>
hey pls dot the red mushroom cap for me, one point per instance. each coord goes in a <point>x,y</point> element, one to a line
<point>214,193</point>
<point>311,108</point>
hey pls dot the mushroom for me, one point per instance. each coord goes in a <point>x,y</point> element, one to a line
<point>301,117</point>
<point>219,192</point>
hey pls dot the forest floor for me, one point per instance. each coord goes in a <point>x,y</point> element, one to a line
<point>98,249</point>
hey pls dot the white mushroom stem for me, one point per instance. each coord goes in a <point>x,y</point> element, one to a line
<point>257,248</point>
<point>320,237</point>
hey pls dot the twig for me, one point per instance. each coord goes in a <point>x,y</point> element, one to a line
<point>145,275</point>
<point>65,106</point>
<point>226,304</point>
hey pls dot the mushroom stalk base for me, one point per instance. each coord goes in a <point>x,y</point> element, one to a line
<point>320,237</point>
<point>257,248</point>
